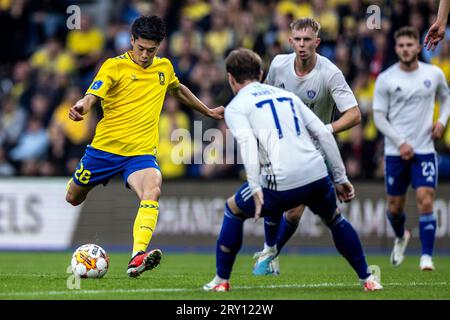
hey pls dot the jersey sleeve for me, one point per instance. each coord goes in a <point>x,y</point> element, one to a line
<point>104,80</point>
<point>380,113</point>
<point>319,131</point>
<point>237,120</point>
<point>173,79</point>
<point>381,96</point>
<point>341,92</point>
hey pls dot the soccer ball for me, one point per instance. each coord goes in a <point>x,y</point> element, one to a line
<point>90,261</point>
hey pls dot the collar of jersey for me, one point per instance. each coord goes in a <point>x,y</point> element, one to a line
<point>309,74</point>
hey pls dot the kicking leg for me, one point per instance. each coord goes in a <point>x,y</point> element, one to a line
<point>76,194</point>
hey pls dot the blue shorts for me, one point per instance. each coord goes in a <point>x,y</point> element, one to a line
<point>319,196</point>
<point>97,166</point>
<point>420,171</point>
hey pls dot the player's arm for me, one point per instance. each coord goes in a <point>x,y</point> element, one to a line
<point>385,127</point>
<point>345,102</point>
<point>186,97</point>
<point>437,30</point>
<point>350,118</point>
<point>240,126</point>
<point>380,112</point>
<point>328,144</point>
<point>82,107</point>
<point>106,77</point>
<point>318,130</point>
<point>443,94</point>
<point>444,9</point>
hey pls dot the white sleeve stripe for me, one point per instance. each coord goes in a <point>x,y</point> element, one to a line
<point>245,192</point>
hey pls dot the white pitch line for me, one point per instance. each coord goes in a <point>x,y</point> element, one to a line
<point>148,290</point>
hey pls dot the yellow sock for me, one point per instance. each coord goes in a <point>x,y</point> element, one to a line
<point>145,224</point>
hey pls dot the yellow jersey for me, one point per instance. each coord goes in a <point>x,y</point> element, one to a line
<point>85,42</point>
<point>62,64</point>
<point>132,99</point>
<point>76,131</point>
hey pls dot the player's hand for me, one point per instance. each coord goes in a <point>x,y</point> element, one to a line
<point>434,35</point>
<point>345,192</point>
<point>76,112</point>
<point>438,130</point>
<point>406,151</point>
<point>258,197</point>
<point>217,113</point>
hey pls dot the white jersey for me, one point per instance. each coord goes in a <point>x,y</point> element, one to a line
<point>407,100</point>
<point>322,90</point>
<point>273,127</point>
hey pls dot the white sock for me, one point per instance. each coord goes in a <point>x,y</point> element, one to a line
<point>218,279</point>
<point>272,249</point>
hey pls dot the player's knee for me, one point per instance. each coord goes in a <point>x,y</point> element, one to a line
<point>234,209</point>
<point>395,207</point>
<point>70,198</point>
<point>333,220</point>
<point>224,248</point>
<point>425,204</point>
<point>293,216</point>
<point>152,194</point>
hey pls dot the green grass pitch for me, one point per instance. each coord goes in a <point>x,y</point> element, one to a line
<point>180,277</point>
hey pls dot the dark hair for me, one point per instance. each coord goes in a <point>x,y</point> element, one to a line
<point>150,28</point>
<point>244,64</point>
<point>407,32</point>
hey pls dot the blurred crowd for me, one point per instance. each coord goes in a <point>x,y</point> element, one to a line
<point>45,67</point>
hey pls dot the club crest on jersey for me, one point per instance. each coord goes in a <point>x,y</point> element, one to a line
<point>133,77</point>
<point>427,83</point>
<point>311,94</point>
<point>162,78</point>
<point>97,84</point>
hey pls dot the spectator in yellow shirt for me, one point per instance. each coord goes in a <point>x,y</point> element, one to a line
<point>186,32</point>
<point>327,18</point>
<point>221,37</point>
<point>86,44</point>
<point>68,138</point>
<point>77,132</point>
<point>196,9</point>
<point>172,118</point>
<point>52,58</point>
<point>298,9</point>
